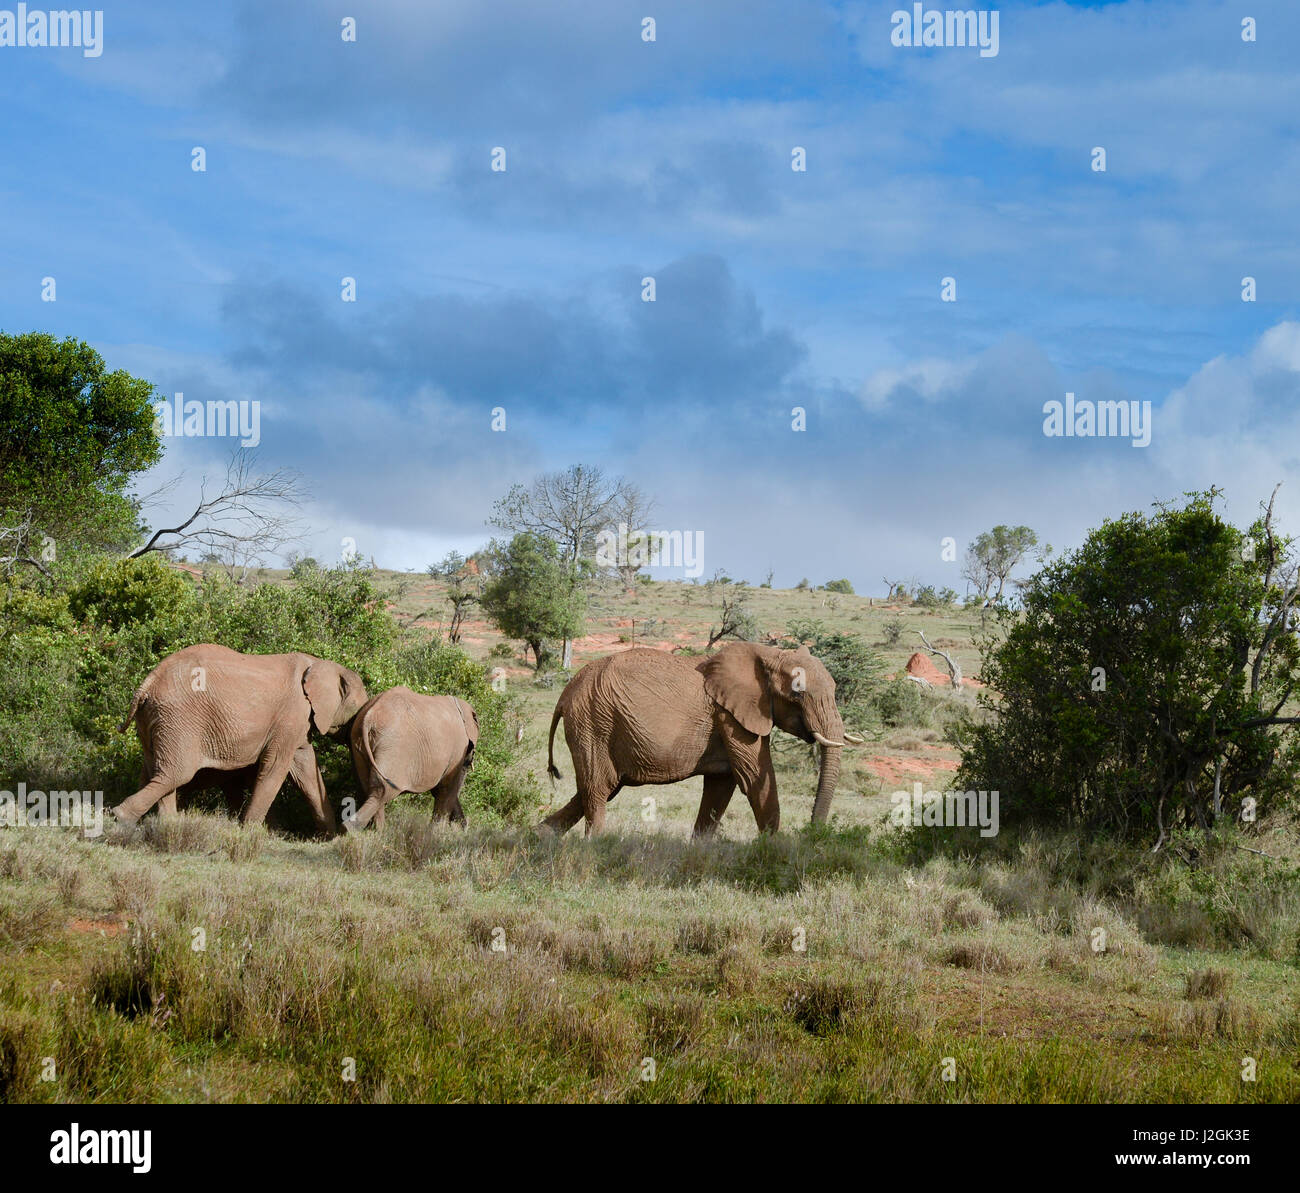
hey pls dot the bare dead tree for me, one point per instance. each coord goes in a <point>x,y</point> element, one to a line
<point>15,546</point>
<point>954,668</point>
<point>897,588</point>
<point>632,509</point>
<point>463,594</point>
<point>737,621</point>
<point>249,516</point>
<point>569,507</point>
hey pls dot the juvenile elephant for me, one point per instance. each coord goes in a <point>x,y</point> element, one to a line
<point>642,716</point>
<point>406,741</point>
<point>211,708</point>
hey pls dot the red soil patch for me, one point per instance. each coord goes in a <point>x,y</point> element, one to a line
<point>922,667</point>
<point>907,770</point>
<point>110,925</point>
<point>608,642</point>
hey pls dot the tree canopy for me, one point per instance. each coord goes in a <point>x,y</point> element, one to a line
<point>72,434</point>
<point>994,555</point>
<point>530,594</point>
<point>1146,684</point>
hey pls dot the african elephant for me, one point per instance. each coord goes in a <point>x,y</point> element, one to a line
<point>642,716</point>
<point>406,741</point>
<point>211,708</point>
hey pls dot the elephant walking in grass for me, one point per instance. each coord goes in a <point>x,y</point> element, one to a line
<point>643,716</point>
<point>406,741</point>
<point>209,708</point>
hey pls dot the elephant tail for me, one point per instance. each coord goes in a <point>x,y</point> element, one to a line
<point>473,738</point>
<point>135,707</point>
<point>368,748</point>
<point>551,768</point>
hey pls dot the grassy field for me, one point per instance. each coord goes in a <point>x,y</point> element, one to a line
<point>193,960</point>
<point>676,615</point>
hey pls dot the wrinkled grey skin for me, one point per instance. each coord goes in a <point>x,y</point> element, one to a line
<point>642,716</point>
<point>209,708</point>
<point>407,741</point>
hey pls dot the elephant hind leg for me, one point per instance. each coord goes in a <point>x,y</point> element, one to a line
<point>160,787</point>
<point>446,797</point>
<point>372,809</point>
<point>562,820</point>
<point>594,808</point>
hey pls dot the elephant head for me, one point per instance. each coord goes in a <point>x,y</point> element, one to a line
<point>763,686</point>
<point>335,695</point>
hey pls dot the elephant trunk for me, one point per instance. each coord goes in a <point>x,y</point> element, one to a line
<point>829,776</point>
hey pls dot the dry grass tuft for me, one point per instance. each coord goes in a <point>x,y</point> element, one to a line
<point>1209,983</point>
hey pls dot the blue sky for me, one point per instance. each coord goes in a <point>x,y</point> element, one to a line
<point>775,288</point>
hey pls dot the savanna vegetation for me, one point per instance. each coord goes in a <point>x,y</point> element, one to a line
<point>1130,935</point>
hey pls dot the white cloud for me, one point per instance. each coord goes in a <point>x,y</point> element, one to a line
<point>930,380</point>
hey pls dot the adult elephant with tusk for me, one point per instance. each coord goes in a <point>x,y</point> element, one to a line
<point>643,716</point>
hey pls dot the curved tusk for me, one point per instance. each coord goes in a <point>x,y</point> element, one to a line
<point>854,739</point>
<point>826,741</point>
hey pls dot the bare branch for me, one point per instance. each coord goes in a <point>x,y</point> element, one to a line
<point>954,669</point>
<point>246,520</point>
<point>14,543</point>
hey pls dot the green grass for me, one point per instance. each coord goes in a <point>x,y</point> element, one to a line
<point>846,964</point>
<point>494,965</point>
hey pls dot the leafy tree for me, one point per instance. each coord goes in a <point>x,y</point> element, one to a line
<point>1146,682</point>
<point>994,555</point>
<point>839,586</point>
<point>530,595</point>
<point>570,508</point>
<point>72,434</point>
<point>451,564</point>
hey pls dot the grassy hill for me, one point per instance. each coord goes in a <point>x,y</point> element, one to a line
<point>675,615</point>
<point>194,960</point>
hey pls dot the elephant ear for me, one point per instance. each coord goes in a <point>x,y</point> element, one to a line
<point>739,679</point>
<point>324,689</point>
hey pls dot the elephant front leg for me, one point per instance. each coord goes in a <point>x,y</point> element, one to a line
<point>718,790</point>
<point>761,791</point>
<point>304,770</point>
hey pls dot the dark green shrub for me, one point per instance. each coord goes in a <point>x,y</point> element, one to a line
<point>1147,671</point>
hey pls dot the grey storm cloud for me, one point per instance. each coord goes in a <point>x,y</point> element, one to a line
<point>704,336</point>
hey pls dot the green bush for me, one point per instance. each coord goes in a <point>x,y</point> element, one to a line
<point>1142,681</point>
<point>69,668</point>
<point>930,598</point>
